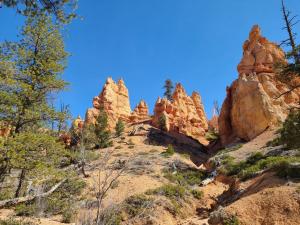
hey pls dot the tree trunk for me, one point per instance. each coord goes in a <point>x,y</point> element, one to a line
<point>21,180</point>
<point>290,32</point>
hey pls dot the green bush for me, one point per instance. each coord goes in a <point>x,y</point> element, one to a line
<point>211,136</point>
<point>59,202</point>
<point>162,122</point>
<point>232,221</point>
<point>282,165</point>
<point>290,131</point>
<point>25,209</point>
<point>169,151</point>
<point>135,204</point>
<point>197,194</point>
<point>185,177</point>
<point>12,221</point>
<point>120,127</point>
<point>170,191</point>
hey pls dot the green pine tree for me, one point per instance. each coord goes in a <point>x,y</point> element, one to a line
<point>168,89</point>
<point>30,74</point>
<point>63,10</point>
<point>101,131</point>
<point>120,128</point>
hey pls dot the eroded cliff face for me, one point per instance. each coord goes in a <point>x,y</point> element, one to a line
<point>185,114</point>
<point>114,100</point>
<point>252,104</point>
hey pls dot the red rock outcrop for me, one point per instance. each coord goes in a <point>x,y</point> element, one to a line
<point>140,113</point>
<point>185,114</point>
<point>252,104</point>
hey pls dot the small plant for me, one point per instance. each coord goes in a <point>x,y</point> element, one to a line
<point>211,136</point>
<point>233,220</point>
<point>135,204</point>
<point>169,151</point>
<point>162,122</point>
<point>185,155</point>
<point>290,131</point>
<point>12,221</point>
<point>185,177</point>
<point>67,215</point>
<point>197,194</point>
<point>120,127</point>
<point>118,147</point>
<point>170,191</point>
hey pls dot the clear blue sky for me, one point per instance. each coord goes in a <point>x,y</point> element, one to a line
<point>195,42</point>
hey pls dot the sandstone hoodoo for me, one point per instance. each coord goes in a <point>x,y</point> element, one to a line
<point>140,113</point>
<point>252,104</point>
<point>184,114</point>
<point>114,100</point>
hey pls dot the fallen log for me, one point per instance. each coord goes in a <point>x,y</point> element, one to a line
<point>16,201</point>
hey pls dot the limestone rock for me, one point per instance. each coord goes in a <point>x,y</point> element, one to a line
<point>252,104</point>
<point>185,114</point>
<point>140,113</point>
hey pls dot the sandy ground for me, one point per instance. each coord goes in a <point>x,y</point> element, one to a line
<point>257,144</point>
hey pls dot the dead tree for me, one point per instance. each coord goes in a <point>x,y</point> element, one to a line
<point>289,24</point>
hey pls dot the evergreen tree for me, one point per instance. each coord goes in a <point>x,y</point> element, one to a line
<point>101,130</point>
<point>162,121</point>
<point>30,73</point>
<point>63,10</point>
<point>120,128</point>
<point>168,89</point>
<point>36,155</point>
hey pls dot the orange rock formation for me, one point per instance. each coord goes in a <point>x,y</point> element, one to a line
<point>252,104</point>
<point>114,100</point>
<point>185,114</point>
<point>140,113</point>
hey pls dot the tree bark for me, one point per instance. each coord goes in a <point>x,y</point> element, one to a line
<point>21,180</point>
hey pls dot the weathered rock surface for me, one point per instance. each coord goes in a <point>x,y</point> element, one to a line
<point>259,54</point>
<point>252,104</point>
<point>185,114</point>
<point>140,113</point>
<point>114,100</point>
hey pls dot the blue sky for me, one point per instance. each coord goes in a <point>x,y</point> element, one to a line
<point>195,42</point>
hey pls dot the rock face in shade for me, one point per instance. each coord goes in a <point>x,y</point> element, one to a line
<point>252,104</point>
<point>185,114</point>
<point>114,100</point>
<point>140,113</point>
